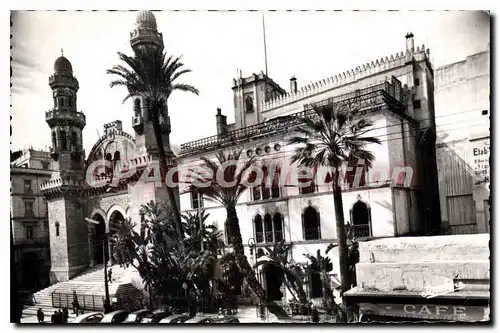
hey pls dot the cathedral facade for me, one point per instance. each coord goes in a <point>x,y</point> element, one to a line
<point>85,196</point>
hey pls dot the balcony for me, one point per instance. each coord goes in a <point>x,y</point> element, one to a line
<point>361,230</point>
<point>268,236</point>
<point>312,234</point>
<point>54,117</point>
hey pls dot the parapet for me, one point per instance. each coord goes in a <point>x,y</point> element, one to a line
<point>352,75</point>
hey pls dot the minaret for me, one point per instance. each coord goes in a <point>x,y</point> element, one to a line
<point>145,35</point>
<point>67,227</point>
<point>65,122</point>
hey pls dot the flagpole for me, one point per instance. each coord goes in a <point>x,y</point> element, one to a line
<point>265,55</point>
<point>265,47</point>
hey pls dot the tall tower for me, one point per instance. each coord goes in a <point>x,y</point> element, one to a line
<point>67,228</point>
<point>145,35</point>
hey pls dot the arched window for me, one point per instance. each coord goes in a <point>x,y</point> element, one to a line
<point>311,225</point>
<point>116,161</point>
<point>54,140</point>
<point>268,228</point>
<point>109,159</point>
<point>361,219</point>
<point>64,146</point>
<point>61,102</point>
<point>70,100</point>
<point>278,227</point>
<point>57,229</point>
<point>259,230</point>
<point>74,140</point>
<point>137,107</point>
<point>248,104</point>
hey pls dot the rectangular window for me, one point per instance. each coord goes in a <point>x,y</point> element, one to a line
<point>27,187</point>
<point>303,179</point>
<point>417,82</point>
<point>30,232</point>
<point>196,200</point>
<point>45,165</point>
<point>28,209</point>
<point>416,104</point>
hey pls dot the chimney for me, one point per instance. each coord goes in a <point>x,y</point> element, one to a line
<point>221,121</point>
<point>410,46</point>
<point>293,85</point>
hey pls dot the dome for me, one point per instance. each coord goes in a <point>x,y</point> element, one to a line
<point>62,65</point>
<point>146,19</point>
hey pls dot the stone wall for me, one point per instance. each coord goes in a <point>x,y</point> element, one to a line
<point>418,262</point>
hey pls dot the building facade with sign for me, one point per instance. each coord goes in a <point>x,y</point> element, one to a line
<point>396,92</point>
<point>463,147</point>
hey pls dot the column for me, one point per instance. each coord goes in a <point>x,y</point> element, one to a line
<point>91,249</point>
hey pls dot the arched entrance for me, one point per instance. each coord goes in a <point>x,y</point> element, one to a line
<point>272,276</point>
<point>98,239</point>
<point>361,219</point>
<point>115,220</point>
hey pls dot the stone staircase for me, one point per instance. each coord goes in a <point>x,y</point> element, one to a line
<point>89,287</point>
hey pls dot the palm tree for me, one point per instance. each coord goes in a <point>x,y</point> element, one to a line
<point>227,196</point>
<point>152,75</point>
<point>322,266</point>
<point>331,137</point>
<point>277,256</point>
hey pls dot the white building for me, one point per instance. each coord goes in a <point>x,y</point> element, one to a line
<point>397,93</point>
<point>463,148</point>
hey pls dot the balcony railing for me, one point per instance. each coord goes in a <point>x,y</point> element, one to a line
<point>361,230</point>
<point>78,118</point>
<point>312,234</point>
<point>268,236</point>
<point>386,93</point>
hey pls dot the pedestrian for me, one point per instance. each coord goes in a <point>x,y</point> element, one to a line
<point>40,315</point>
<point>75,304</point>
<point>65,314</point>
<point>53,318</point>
<point>314,314</point>
<point>110,274</point>
<point>60,318</point>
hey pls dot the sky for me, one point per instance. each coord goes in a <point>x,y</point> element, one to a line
<point>214,45</point>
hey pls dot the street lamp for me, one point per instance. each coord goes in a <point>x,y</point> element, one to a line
<point>107,303</point>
